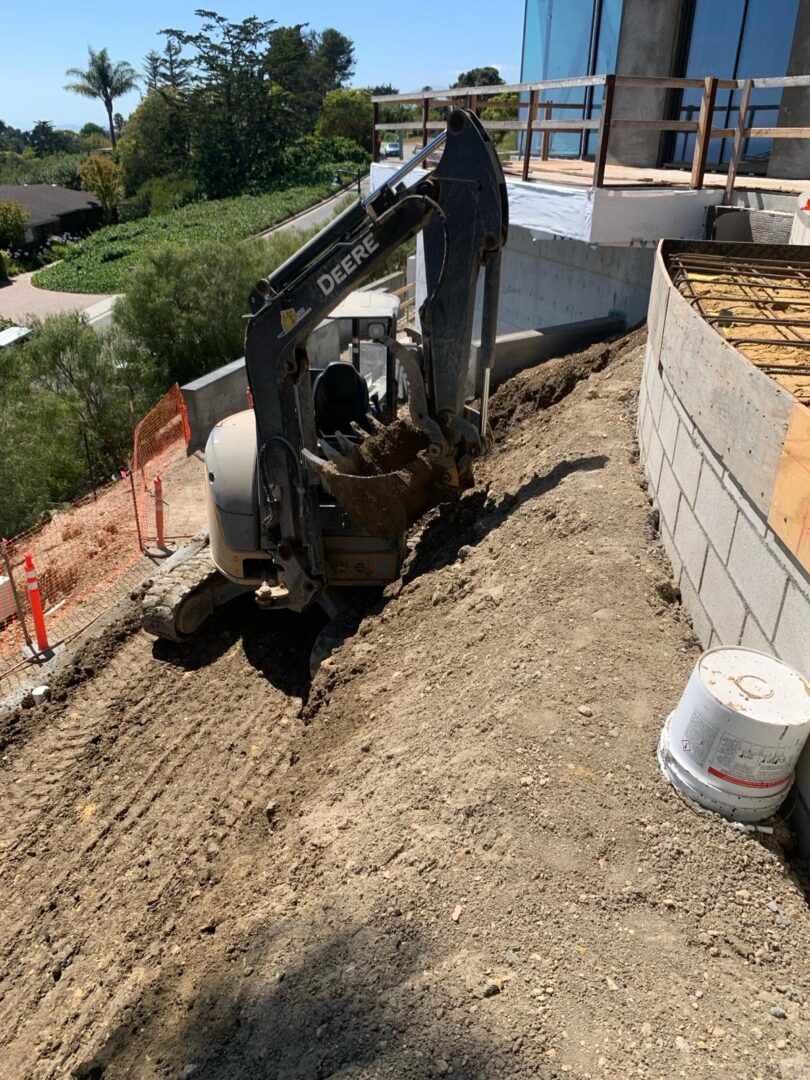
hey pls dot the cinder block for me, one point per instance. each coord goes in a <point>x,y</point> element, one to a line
<point>758,575</point>
<point>701,625</point>
<point>668,495</point>
<point>687,463</point>
<point>655,388</point>
<point>668,426</point>
<point>716,511</point>
<point>683,415</point>
<point>721,600</point>
<point>792,639</point>
<point>644,423</point>
<point>655,454</point>
<point>753,638</point>
<point>691,542</point>
<point>755,519</point>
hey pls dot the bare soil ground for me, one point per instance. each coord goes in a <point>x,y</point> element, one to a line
<point>470,865</point>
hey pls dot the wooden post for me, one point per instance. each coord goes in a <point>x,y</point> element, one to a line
<point>739,136</point>
<point>472,104</point>
<point>547,134</point>
<point>375,138</point>
<point>159,504</point>
<point>527,149</point>
<point>604,132</point>
<point>703,132</point>
<point>141,544</point>
<point>425,118</point>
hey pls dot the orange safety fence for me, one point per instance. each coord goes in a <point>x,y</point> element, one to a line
<point>161,439</point>
<point>77,552</point>
<point>80,551</point>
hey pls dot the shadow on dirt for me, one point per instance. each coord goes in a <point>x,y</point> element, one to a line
<point>277,644</point>
<point>468,521</point>
<point>353,1003</point>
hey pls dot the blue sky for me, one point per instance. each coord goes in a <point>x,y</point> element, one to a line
<point>413,44</point>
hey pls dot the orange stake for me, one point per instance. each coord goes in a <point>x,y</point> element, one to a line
<point>36,603</point>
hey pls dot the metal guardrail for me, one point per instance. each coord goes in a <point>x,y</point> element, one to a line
<point>478,98</point>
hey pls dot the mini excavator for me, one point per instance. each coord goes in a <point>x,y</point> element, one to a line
<point>312,490</point>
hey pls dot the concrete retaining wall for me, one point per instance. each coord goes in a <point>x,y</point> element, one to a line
<point>723,446</point>
<point>211,398</point>
<point>555,281</point>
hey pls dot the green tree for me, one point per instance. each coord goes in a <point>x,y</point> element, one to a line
<point>333,59</point>
<point>90,129</point>
<point>13,219</point>
<point>104,80</point>
<point>175,67</point>
<point>289,59</point>
<point>234,129</point>
<point>152,69</point>
<point>12,138</point>
<point>45,140</point>
<point>156,140</point>
<point>347,113</point>
<point>480,76</point>
<point>61,385</point>
<point>101,176</point>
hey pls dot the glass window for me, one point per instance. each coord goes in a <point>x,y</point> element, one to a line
<point>735,39</point>
<point>564,39</point>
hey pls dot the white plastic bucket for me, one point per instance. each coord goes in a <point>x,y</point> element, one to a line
<point>733,740</point>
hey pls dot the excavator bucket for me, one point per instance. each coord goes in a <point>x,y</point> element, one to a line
<point>384,483</point>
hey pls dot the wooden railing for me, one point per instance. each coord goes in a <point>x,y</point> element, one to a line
<point>514,96</point>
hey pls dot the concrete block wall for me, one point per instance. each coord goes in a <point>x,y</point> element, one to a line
<point>547,282</point>
<point>739,583</point>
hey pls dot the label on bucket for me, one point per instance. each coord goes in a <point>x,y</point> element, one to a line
<point>751,764</point>
<point>698,739</point>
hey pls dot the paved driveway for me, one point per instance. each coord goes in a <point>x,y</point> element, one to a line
<point>19,300</point>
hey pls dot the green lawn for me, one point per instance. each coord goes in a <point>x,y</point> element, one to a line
<point>105,260</point>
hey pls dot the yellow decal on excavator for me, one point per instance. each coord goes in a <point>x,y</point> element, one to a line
<point>288,319</point>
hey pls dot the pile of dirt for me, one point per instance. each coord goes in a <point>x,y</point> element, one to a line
<point>545,385</point>
<point>458,858</point>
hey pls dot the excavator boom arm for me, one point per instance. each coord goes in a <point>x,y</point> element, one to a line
<point>461,206</point>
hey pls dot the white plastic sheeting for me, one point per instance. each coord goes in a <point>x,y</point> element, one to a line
<point>628,216</point>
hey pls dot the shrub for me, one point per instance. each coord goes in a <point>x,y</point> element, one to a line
<point>315,160</point>
<point>161,194</point>
<point>4,269</point>
<point>184,313</point>
<point>13,218</point>
<point>101,176</point>
<point>88,267</point>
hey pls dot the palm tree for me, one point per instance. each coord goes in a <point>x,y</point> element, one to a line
<point>105,80</point>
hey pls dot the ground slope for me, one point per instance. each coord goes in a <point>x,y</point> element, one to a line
<point>470,865</point>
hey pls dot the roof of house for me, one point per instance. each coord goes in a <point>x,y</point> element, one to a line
<point>46,201</point>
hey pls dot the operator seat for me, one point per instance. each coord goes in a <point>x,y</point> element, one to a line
<point>340,395</point>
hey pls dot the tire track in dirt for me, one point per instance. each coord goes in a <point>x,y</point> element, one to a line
<point>145,793</point>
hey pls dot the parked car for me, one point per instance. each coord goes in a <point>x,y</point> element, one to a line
<point>390,149</point>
